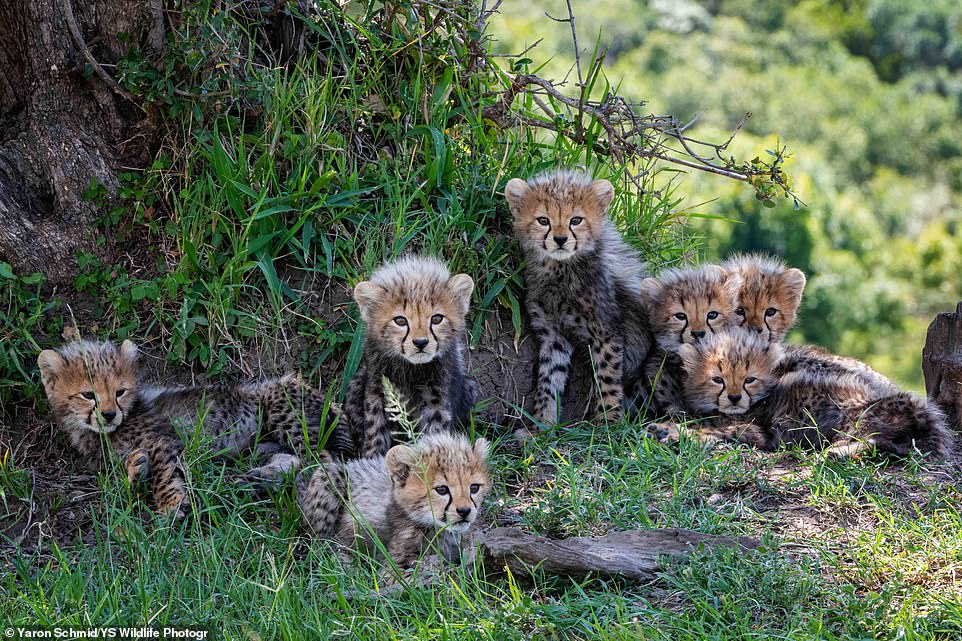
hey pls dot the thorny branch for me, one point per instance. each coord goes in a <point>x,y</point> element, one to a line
<point>621,131</point>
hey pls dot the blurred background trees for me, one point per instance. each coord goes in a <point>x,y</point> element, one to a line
<point>867,96</point>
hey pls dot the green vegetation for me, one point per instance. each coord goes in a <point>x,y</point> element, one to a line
<point>867,97</point>
<point>280,185</point>
<point>872,554</point>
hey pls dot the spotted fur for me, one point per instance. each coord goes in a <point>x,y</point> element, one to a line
<point>416,337</point>
<point>95,388</point>
<point>414,497</point>
<point>811,409</point>
<point>582,281</point>
<point>685,306</point>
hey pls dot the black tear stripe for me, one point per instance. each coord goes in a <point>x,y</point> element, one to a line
<point>407,332</point>
<point>431,329</point>
<point>544,240</point>
<point>90,416</point>
<point>681,334</point>
<point>768,327</point>
<point>450,500</point>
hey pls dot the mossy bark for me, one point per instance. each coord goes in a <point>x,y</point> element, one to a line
<point>61,126</point>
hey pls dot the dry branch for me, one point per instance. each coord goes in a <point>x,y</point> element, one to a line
<point>632,554</point>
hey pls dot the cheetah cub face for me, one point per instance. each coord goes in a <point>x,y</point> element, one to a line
<point>414,309</point>
<point>90,386</point>
<point>768,297</point>
<point>687,305</point>
<point>560,215</point>
<point>441,480</point>
<point>729,373</point>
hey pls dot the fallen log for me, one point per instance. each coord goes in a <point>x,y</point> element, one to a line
<point>631,554</point>
<point>942,363</point>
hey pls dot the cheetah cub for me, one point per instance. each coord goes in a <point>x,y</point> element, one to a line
<point>735,378</point>
<point>767,302</point>
<point>582,281</point>
<point>768,295</point>
<point>413,497</point>
<point>91,388</point>
<point>414,311</point>
<point>685,306</point>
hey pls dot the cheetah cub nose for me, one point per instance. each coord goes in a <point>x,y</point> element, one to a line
<point>464,512</point>
<point>734,398</point>
<point>698,334</point>
<point>108,416</point>
<point>560,240</point>
<point>420,343</point>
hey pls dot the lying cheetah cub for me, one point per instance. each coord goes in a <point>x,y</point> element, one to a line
<point>95,388</point>
<point>92,392</point>
<point>685,306</point>
<point>734,377</point>
<point>581,281</point>
<point>414,311</point>
<point>414,497</point>
<point>767,301</point>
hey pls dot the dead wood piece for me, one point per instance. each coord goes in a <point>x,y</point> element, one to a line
<point>633,554</point>
<point>942,363</point>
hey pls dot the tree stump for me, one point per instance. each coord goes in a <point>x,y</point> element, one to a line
<point>942,363</point>
<point>632,554</point>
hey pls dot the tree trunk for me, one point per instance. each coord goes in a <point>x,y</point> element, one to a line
<point>942,363</point>
<point>60,128</point>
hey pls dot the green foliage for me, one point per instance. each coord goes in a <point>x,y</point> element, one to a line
<point>281,186</point>
<point>23,319</point>
<point>876,160</point>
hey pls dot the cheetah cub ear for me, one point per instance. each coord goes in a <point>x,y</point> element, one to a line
<point>461,286</point>
<point>129,351</point>
<point>793,280</point>
<point>603,192</point>
<point>367,295</point>
<point>400,459</point>
<point>515,192</point>
<point>651,289</point>
<point>481,448</point>
<point>50,363</point>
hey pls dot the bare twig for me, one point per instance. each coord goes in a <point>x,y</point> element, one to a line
<point>85,51</point>
<point>625,134</point>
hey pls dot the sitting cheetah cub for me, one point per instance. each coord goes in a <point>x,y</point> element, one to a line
<point>94,387</point>
<point>684,306</point>
<point>413,497</point>
<point>414,311</point>
<point>767,302</point>
<point>582,281</point>
<point>734,378</point>
<point>92,392</point>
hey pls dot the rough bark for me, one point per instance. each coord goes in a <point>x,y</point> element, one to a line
<point>632,554</point>
<point>61,128</point>
<point>942,363</point>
